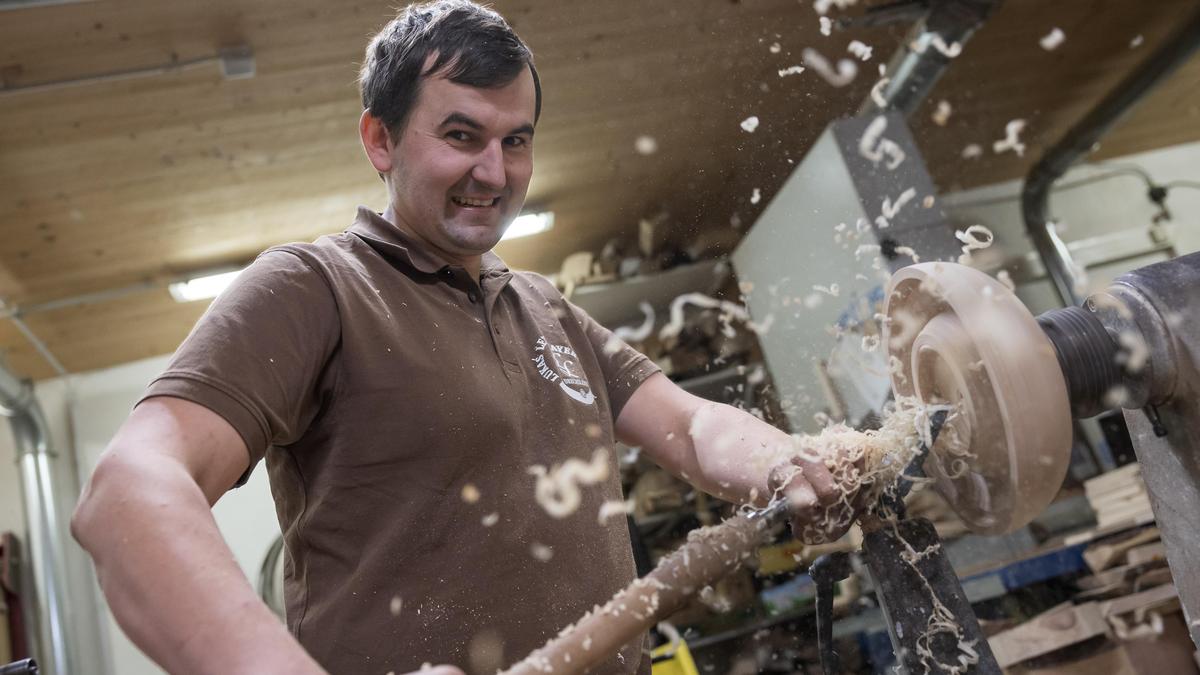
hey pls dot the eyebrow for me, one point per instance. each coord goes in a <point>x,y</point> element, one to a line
<point>466,121</point>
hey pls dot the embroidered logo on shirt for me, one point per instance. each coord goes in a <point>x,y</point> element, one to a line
<point>560,364</point>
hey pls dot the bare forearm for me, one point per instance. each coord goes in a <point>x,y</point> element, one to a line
<point>729,452</point>
<point>734,455</point>
<point>170,579</point>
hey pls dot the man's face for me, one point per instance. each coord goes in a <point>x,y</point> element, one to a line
<point>462,164</point>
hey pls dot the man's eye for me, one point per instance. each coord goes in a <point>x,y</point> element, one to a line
<point>515,141</point>
<point>458,135</point>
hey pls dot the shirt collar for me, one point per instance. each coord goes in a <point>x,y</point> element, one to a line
<point>393,244</point>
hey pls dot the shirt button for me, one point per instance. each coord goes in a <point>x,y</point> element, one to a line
<point>472,296</point>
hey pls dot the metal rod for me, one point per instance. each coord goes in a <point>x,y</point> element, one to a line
<point>1080,140</point>
<point>82,299</point>
<point>117,76</point>
<point>32,4</point>
<point>39,346</point>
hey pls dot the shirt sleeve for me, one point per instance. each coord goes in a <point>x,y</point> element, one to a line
<point>260,355</point>
<point>625,368</point>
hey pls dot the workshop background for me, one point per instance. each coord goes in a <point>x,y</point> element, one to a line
<point>148,143</point>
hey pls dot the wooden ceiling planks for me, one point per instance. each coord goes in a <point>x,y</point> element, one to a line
<point>112,184</point>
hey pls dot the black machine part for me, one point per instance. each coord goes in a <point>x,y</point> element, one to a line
<point>1087,355</point>
<point>912,577</point>
<point>909,593</point>
<point>1146,360</point>
<point>1122,348</point>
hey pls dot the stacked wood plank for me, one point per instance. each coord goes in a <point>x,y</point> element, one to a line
<point>1141,616</point>
<point>1119,498</point>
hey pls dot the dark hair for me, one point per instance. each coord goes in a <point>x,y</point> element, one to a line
<point>474,44</point>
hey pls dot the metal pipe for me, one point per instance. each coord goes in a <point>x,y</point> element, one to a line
<point>46,537</point>
<point>928,50</point>
<point>1035,196</point>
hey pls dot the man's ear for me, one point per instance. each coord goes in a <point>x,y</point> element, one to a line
<point>376,141</point>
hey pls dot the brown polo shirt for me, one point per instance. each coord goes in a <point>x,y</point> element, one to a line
<point>400,405</point>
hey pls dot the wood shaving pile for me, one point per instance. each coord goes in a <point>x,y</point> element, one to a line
<point>864,464</point>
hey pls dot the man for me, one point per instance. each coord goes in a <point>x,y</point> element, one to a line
<point>401,383</point>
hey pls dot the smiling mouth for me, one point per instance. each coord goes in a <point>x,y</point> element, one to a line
<point>476,203</point>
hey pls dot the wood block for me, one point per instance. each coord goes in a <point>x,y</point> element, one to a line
<point>1106,578</point>
<point>1139,601</point>
<point>1136,513</point>
<point>1168,654</point>
<point>1155,576</point>
<point>1112,479</point>
<point>1131,489</point>
<point>1102,556</point>
<point>1113,528</point>
<point>1147,553</point>
<point>1048,632</point>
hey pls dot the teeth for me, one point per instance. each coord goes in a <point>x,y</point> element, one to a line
<point>473,202</point>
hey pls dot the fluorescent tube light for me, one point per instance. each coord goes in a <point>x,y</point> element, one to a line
<point>529,223</point>
<point>202,288</point>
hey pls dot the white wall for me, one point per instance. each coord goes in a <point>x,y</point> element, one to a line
<point>93,406</point>
<point>1111,214</point>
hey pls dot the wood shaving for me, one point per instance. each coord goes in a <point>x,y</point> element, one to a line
<point>1011,140</point>
<point>859,49</point>
<point>557,489</point>
<point>1003,277</point>
<point>631,334</point>
<point>1052,40</point>
<point>863,463</point>
<point>974,238</point>
<point>874,147</point>
<point>729,311</point>
<point>613,507</point>
<point>470,493</point>
<point>942,114</point>
<point>541,552</point>
<point>877,92</point>
<point>846,69</point>
<point>908,251</point>
<point>889,209</point>
<point>950,51</point>
<point>822,7</point>
<point>1133,353</point>
<point>645,145</point>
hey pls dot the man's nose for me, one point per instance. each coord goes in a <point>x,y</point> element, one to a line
<point>489,166</point>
